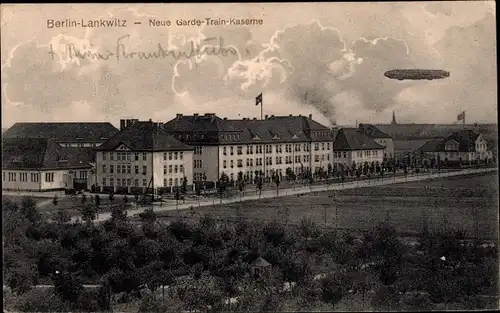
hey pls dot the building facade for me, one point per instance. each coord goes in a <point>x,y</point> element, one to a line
<point>63,151</point>
<point>461,146</point>
<point>39,164</point>
<point>351,146</point>
<point>379,137</point>
<point>251,147</point>
<point>143,157</point>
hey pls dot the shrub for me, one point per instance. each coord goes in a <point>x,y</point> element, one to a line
<point>41,300</point>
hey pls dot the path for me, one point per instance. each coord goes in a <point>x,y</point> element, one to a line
<point>299,190</point>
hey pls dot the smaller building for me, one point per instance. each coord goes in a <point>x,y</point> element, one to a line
<point>380,137</point>
<point>351,146</point>
<point>40,164</point>
<point>260,267</point>
<point>143,157</point>
<point>460,146</point>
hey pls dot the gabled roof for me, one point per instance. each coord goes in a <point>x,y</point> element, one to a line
<point>42,153</point>
<point>372,131</point>
<point>260,262</point>
<point>62,132</point>
<point>211,129</point>
<point>351,139</point>
<point>466,142</point>
<point>144,136</point>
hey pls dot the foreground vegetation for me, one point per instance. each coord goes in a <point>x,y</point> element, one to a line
<point>207,265</point>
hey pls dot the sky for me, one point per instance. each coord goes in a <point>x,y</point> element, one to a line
<point>324,59</point>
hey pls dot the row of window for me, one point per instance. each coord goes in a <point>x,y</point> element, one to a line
<point>135,183</point>
<point>123,169</point>
<point>23,177</point>
<point>127,156</point>
<point>269,148</point>
<point>278,160</point>
<point>198,150</point>
<point>173,169</point>
<point>368,153</point>
<point>197,164</point>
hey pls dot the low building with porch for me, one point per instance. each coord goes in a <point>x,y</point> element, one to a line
<point>464,146</point>
<point>62,150</point>
<point>143,158</point>
<point>40,164</point>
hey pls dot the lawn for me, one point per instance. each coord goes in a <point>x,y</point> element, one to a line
<point>467,202</point>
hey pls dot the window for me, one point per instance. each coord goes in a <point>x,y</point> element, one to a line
<point>104,182</point>
<point>170,155</point>
<point>327,146</point>
<point>129,169</point>
<point>224,164</point>
<point>181,180</point>
<point>124,184</point>
<point>164,182</point>
<point>181,168</point>
<point>49,177</point>
<point>35,177</point>
<point>136,169</point>
<point>136,182</point>
<point>111,182</point>
<point>111,156</point>
<point>176,181</point>
<point>170,181</point>
<point>129,182</point>
<point>104,156</point>
<point>322,146</point>
<point>144,169</point>
<point>104,168</point>
<point>175,155</point>
<point>136,156</point>
<point>345,154</point>
<point>111,169</point>
<point>316,146</point>
<point>128,156</point>
<point>23,176</point>
<point>144,183</point>
<point>170,169</point>
<point>176,169</point>
<point>164,169</point>
<point>232,150</point>
<point>118,182</point>
<point>239,162</point>
<point>224,150</point>
<point>181,155</point>
<point>164,156</point>
<point>144,156</point>
<point>316,158</point>
<point>124,169</point>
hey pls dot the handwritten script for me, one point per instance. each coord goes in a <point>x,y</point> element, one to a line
<point>121,52</point>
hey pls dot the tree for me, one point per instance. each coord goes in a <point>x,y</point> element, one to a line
<point>125,199</point>
<point>277,181</point>
<point>184,186</point>
<point>88,212</point>
<point>68,286</point>
<point>241,187</point>
<point>55,200</point>
<point>84,198</point>
<point>204,181</point>
<point>111,197</point>
<point>177,197</point>
<point>330,170</point>
<point>197,189</point>
<point>222,184</point>
<point>97,200</point>
<point>259,184</point>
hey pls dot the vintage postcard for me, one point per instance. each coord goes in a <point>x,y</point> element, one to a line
<point>250,157</point>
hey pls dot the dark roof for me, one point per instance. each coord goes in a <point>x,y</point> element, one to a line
<point>62,132</point>
<point>211,129</point>
<point>372,131</point>
<point>42,153</point>
<point>260,262</point>
<point>431,131</point>
<point>353,139</point>
<point>466,142</point>
<point>144,136</point>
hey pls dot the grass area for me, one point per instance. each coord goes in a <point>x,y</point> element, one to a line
<point>456,202</point>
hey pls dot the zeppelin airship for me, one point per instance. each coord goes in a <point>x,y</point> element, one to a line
<point>415,74</point>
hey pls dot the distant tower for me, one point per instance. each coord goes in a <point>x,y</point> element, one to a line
<point>393,118</point>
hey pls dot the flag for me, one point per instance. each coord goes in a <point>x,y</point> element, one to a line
<point>258,99</point>
<point>461,116</point>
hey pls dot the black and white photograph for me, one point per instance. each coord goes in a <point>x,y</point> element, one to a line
<point>250,157</point>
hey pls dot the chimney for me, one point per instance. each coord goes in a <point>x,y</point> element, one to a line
<point>290,115</point>
<point>195,116</point>
<point>225,119</point>
<point>254,118</point>
<point>272,115</point>
<point>178,116</point>
<point>123,124</point>
<point>310,116</point>
<point>266,116</point>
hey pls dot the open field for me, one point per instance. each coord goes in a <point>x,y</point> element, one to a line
<point>464,202</point>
